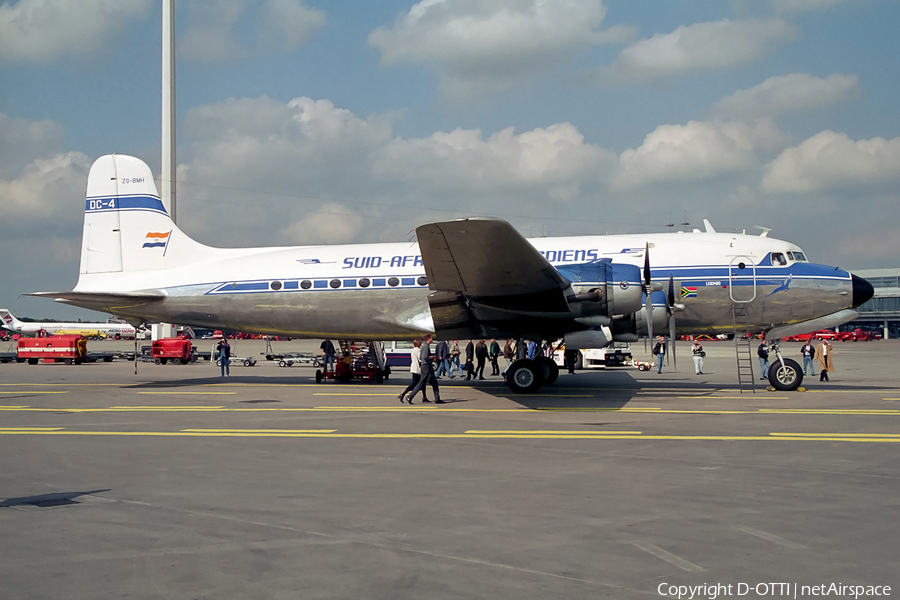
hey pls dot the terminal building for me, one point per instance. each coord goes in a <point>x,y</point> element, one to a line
<point>882,312</point>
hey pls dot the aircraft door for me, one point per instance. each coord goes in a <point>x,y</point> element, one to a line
<point>742,279</point>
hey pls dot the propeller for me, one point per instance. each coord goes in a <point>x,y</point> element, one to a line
<point>670,308</point>
<point>648,301</point>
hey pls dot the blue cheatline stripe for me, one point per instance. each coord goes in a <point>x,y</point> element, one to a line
<point>94,204</point>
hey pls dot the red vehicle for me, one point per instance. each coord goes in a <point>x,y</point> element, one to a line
<point>803,337</point>
<point>70,349</point>
<point>179,350</point>
<point>825,334</point>
<point>857,335</point>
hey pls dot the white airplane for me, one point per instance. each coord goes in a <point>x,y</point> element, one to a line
<point>461,279</point>
<point>108,330</point>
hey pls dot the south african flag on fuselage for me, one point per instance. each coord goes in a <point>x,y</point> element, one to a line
<point>688,292</point>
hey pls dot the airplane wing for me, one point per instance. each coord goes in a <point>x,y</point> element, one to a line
<point>488,279</point>
<point>484,258</point>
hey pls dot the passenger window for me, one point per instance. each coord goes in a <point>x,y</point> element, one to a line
<point>778,258</point>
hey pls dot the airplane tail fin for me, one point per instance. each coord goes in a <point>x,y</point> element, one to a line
<point>126,226</point>
<point>8,320</point>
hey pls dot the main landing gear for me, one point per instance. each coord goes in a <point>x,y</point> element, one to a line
<point>785,374</point>
<point>526,376</point>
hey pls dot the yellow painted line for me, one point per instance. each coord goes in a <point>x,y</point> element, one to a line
<point>188,393</point>
<point>745,396</point>
<point>880,435</point>
<point>351,394</point>
<point>69,384</point>
<point>549,431</point>
<point>36,392</point>
<point>5,429</point>
<point>260,430</point>
<point>834,411</point>
<point>457,436</point>
<point>144,406</point>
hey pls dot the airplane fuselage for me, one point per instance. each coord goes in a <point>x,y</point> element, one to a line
<point>379,291</point>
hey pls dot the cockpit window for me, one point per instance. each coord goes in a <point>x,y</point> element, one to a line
<point>778,258</point>
<point>798,256</point>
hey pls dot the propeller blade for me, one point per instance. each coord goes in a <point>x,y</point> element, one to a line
<point>670,299</point>
<point>647,267</point>
<point>648,309</point>
<point>672,337</point>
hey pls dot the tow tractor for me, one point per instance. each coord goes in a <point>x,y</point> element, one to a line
<point>361,360</point>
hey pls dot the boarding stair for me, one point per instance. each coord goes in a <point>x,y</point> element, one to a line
<point>743,350</point>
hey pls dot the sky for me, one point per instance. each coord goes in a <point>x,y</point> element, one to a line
<point>312,122</point>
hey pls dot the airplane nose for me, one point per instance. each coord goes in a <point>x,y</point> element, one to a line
<point>862,290</point>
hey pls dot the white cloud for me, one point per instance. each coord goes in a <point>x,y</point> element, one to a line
<point>288,24</point>
<point>215,27</point>
<point>484,45</point>
<point>47,30</point>
<point>696,151</point>
<point>21,140</point>
<point>787,6</point>
<point>310,163</point>
<point>701,46</point>
<point>831,160</point>
<point>46,187</point>
<point>788,93</point>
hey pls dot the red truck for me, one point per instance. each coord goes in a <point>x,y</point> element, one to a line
<point>179,350</point>
<point>69,349</point>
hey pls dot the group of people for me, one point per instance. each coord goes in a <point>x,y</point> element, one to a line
<point>447,356</point>
<point>821,354</point>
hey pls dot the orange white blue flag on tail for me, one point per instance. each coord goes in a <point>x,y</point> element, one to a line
<point>156,240</point>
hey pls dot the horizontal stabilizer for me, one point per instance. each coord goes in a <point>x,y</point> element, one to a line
<point>105,301</point>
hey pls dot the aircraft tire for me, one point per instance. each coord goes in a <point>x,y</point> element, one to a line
<point>787,377</point>
<point>525,376</point>
<point>318,376</point>
<point>551,369</point>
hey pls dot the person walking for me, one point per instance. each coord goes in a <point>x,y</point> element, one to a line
<point>328,354</point>
<point>762,352</point>
<point>415,369</point>
<point>481,354</point>
<point>570,355</point>
<point>223,354</point>
<point>508,355</point>
<point>698,355</point>
<point>495,355</point>
<point>825,358</point>
<point>427,375</point>
<point>442,356</point>
<point>454,358</point>
<point>808,352</point>
<point>470,356</point>
<point>660,351</point>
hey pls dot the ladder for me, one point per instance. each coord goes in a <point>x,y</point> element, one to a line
<point>742,348</point>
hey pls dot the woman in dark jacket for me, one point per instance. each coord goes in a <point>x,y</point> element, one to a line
<point>481,354</point>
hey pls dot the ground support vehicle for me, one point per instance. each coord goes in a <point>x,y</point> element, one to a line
<point>179,351</point>
<point>361,360</point>
<point>69,349</point>
<point>289,359</point>
<point>618,354</point>
<point>247,361</point>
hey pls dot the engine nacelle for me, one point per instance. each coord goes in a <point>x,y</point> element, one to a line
<point>599,337</point>
<point>604,288</point>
